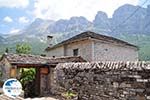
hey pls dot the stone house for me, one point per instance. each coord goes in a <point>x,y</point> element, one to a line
<point>95,47</point>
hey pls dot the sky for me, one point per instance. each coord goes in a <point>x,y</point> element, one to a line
<point>17,14</point>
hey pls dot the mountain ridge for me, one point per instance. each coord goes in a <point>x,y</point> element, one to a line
<point>127,18</point>
<point>121,25</point>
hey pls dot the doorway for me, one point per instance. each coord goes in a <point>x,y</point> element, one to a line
<point>27,78</point>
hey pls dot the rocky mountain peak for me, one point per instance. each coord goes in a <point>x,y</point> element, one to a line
<point>129,19</point>
<point>101,21</point>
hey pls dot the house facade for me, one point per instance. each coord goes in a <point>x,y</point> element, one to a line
<point>95,47</point>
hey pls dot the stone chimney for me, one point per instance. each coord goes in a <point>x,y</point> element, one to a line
<point>49,40</point>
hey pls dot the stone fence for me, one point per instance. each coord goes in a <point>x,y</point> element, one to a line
<point>102,81</point>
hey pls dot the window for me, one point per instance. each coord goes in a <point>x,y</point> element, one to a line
<point>75,52</point>
<point>106,49</point>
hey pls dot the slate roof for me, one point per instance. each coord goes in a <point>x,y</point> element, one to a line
<point>107,65</point>
<point>89,34</point>
<point>36,59</point>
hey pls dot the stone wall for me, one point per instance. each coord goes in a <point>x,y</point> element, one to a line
<point>84,47</point>
<point>105,51</point>
<point>102,81</point>
<point>97,50</point>
<point>57,52</point>
<point>5,69</point>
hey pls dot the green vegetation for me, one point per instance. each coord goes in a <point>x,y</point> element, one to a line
<point>27,80</point>
<point>23,48</point>
<point>27,75</point>
<point>37,47</point>
<point>69,95</point>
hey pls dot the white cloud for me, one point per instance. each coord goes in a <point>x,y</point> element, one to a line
<point>8,19</point>
<point>56,9</point>
<point>14,3</point>
<point>14,31</point>
<point>23,19</point>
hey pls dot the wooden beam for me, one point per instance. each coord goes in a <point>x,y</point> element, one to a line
<point>37,81</point>
<point>26,65</point>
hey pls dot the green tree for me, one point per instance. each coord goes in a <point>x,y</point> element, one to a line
<point>23,48</point>
<point>27,80</point>
<point>7,50</point>
<point>27,75</point>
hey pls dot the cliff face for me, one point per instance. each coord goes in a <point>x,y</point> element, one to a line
<point>101,21</point>
<point>129,19</point>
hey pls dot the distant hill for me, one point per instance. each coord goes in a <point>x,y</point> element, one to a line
<point>128,22</point>
<point>2,39</point>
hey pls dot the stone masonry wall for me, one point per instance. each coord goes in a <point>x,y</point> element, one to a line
<point>84,47</point>
<point>102,81</point>
<point>114,52</point>
<point>5,69</point>
<point>57,52</point>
